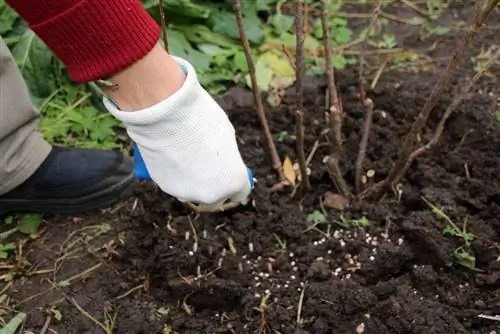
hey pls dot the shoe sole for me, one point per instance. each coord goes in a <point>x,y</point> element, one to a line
<point>99,200</point>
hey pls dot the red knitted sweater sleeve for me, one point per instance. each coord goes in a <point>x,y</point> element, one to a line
<point>93,38</point>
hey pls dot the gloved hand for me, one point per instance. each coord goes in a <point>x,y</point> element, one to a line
<point>189,145</point>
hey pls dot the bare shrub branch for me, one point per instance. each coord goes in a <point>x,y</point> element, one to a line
<point>299,113</point>
<point>163,26</point>
<point>398,170</point>
<point>449,111</point>
<point>336,110</point>
<point>256,93</point>
<point>367,103</point>
<point>365,133</point>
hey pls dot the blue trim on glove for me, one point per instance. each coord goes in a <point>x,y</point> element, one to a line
<point>140,169</point>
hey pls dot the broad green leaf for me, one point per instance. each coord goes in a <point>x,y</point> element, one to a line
<point>224,22</point>
<point>36,63</point>
<point>28,223</point>
<point>7,18</point>
<point>282,23</point>
<point>187,8</point>
<point>263,75</point>
<point>341,35</point>
<point>339,61</point>
<point>181,47</point>
<point>497,115</point>
<point>240,61</point>
<point>277,64</point>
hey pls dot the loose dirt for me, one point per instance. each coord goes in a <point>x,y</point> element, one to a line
<point>262,268</point>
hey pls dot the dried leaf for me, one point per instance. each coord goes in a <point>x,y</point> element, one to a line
<point>289,171</point>
<point>335,201</point>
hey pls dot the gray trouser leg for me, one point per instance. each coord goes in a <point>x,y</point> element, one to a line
<point>22,148</point>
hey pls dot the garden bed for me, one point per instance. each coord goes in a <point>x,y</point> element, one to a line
<point>397,274</point>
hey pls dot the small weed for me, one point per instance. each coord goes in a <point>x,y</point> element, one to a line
<point>462,253</point>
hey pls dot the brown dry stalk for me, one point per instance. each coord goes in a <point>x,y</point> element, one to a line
<point>449,111</point>
<point>163,26</point>
<point>299,114</point>
<point>364,142</point>
<point>368,103</point>
<point>256,92</point>
<point>398,170</point>
<point>373,21</point>
<point>336,111</point>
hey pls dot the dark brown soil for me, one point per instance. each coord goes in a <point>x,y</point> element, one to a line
<point>405,281</point>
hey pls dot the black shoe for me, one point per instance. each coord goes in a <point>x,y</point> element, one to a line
<point>73,180</point>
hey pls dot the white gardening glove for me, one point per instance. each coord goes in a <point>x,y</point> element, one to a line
<point>189,145</point>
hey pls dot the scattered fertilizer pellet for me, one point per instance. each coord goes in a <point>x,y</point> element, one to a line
<point>348,276</point>
<point>374,251</point>
<point>257,295</point>
<point>205,234</point>
<point>292,263</point>
<point>372,258</point>
<point>361,328</point>
<point>266,275</point>
<point>374,243</point>
<point>278,286</point>
<point>342,243</point>
<point>257,284</point>
<point>302,284</point>
<point>256,278</point>
<point>187,235</point>
<point>299,289</point>
<point>367,315</point>
<point>315,243</point>
<point>267,292</point>
<point>285,286</point>
<point>329,251</point>
<point>191,253</point>
<point>295,268</point>
<point>336,234</point>
<point>292,277</point>
<point>291,254</point>
<point>250,247</point>
<point>400,241</point>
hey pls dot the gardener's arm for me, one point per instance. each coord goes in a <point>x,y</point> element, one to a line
<point>185,138</point>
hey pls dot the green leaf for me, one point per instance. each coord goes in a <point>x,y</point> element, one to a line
<point>282,23</point>
<point>224,22</point>
<point>28,223</point>
<point>339,61</point>
<point>342,35</point>
<point>36,63</point>
<point>8,18</point>
<point>278,64</point>
<point>497,115</point>
<point>316,217</point>
<point>174,8</point>
<point>263,75</point>
<point>240,61</point>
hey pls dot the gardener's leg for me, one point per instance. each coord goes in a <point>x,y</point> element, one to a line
<point>22,149</point>
<point>36,177</point>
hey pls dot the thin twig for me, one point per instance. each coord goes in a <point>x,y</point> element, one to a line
<point>368,103</point>
<point>336,112</point>
<point>362,80</point>
<point>299,114</point>
<point>364,142</point>
<point>256,92</point>
<point>449,111</point>
<point>408,146</point>
<point>163,26</point>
